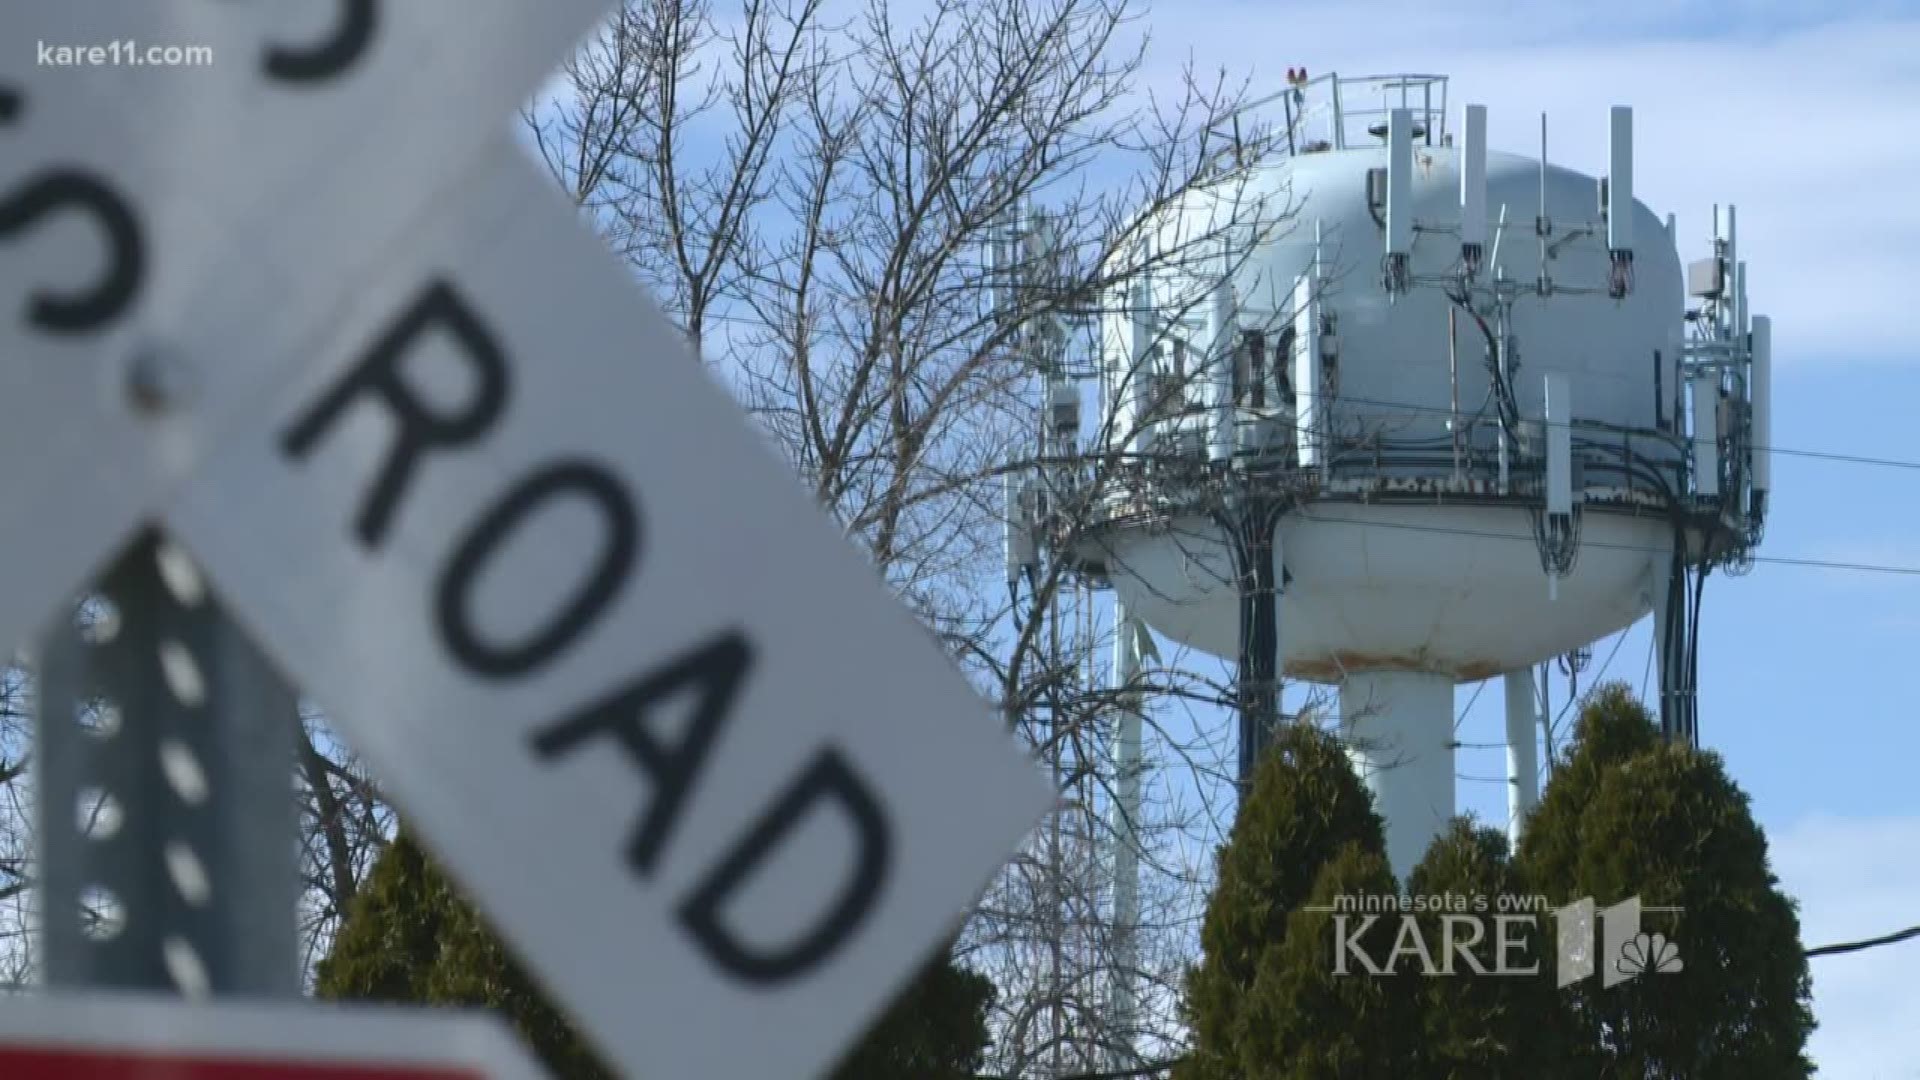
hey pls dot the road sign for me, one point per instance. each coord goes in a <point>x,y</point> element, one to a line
<point>482,503</point>
<point>590,632</point>
<point>98,1036</point>
<point>134,200</point>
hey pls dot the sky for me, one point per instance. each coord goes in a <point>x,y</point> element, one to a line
<point>1801,115</point>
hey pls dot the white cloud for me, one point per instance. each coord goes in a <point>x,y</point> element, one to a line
<point>1806,128</point>
<point>1856,878</point>
<point>1799,114</point>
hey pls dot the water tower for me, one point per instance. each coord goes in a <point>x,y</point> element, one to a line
<point>1456,413</point>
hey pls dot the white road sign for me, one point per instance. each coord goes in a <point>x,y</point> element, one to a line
<point>475,496</point>
<point>119,1036</point>
<point>624,676</point>
<point>137,200</point>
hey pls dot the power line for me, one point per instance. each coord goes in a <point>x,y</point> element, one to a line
<point>1908,934</point>
<point>1527,538</point>
<point>1779,451</point>
<point>1779,560</point>
<point>1619,638</point>
<point>1784,451</point>
<point>1646,673</point>
<point>1838,948</point>
<point>1856,459</point>
<point>1462,718</point>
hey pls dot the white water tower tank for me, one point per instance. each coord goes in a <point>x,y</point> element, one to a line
<point>1408,563</point>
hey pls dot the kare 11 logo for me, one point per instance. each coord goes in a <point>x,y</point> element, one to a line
<point>1588,939</point>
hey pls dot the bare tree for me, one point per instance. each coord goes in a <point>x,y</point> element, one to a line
<point>17,953</point>
<point>344,825</point>
<point>814,192</point>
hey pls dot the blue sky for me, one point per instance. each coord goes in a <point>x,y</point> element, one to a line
<point>1801,114</point>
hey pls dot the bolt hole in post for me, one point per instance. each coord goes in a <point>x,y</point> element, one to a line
<point>102,915</point>
<point>185,968</point>
<point>97,619</point>
<point>182,768</point>
<point>179,574</point>
<point>99,717</point>
<point>182,673</point>
<point>188,874</point>
<point>97,814</point>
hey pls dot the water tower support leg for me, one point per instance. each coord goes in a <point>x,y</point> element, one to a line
<point>1523,768</point>
<point>1126,854</point>
<point>1259,667</point>
<point>1662,648</point>
<point>1670,644</point>
<point>1399,731</point>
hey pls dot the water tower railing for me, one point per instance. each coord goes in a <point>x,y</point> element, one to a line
<point>1642,462</point>
<point>1634,470</point>
<point>1331,112</point>
<point>1424,95</point>
<point>1368,441</point>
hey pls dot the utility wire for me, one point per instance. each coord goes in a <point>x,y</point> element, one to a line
<point>1908,934</point>
<point>1154,1069</point>
<point>1853,459</point>
<point>1823,455</point>
<point>1462,718</point>
<point>1618,638</point>
<point>1779,560</point>
<point>1646,673</point>
<point>1783,451</point>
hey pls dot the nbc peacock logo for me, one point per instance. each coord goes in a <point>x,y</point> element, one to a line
<point>1625,951</point>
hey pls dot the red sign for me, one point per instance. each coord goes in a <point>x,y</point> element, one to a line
<point>116,1036</point>
<point>16,1064</point>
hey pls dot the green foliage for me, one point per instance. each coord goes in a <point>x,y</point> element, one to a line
<point>1306,805</point>
<point>1623,815</point>
<point>1612,728</point>
<point>1628,815</point>
<point>1476,1024</point>
<point>411,937</point>
<point>1313,1014</point>
<point>936,1029</point>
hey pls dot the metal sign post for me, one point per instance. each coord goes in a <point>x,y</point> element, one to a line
<point>167,829</point>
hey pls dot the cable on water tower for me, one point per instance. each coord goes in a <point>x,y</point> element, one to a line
<point>1251,522</point>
